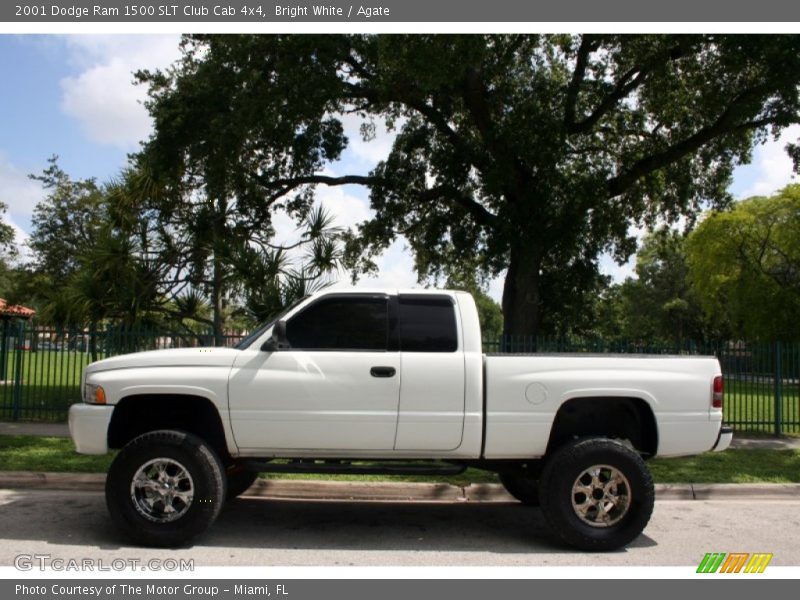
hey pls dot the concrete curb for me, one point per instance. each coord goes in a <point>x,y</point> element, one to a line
<point>402,491</point>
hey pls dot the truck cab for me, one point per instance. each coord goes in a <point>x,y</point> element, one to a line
<point>373,373</point>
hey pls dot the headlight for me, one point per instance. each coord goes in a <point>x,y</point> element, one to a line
<point>93,394</point>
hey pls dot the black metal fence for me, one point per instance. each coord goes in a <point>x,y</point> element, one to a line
<point>40,368</point>
<point>762,379</point>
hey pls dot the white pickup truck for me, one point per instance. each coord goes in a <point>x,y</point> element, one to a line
<point>392,382</point>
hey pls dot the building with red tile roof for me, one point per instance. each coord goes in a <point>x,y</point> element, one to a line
<point>15,310</point>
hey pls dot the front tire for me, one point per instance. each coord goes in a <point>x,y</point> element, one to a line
<point>596,494</point>
<point>165,488</point>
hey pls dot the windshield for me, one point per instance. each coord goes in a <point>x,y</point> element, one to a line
<point>260,330</point>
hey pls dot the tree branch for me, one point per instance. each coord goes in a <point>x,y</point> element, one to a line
<point>404,95</point>
<point>630,80</point>
<point>725,123</point>
<point>357,66</point>
<point>478,211</point>
<point>289,183</point>
<point>475,100</point>
<point>588,45</point>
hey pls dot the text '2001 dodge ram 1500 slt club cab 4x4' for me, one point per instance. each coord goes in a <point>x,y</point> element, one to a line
<point>392,382</point>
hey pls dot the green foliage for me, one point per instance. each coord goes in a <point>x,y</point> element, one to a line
<point>745,266</point>
<point>7,248</point>
<point>659,304</point>
<point>271,279</point>
<point>65,227</point>
<point>8,254</point>
<point>143,254</point>
<point>521,154</point>
<point>65,222</point>
<point>91,253</point>
<point>490,314</point>
<point>208,170</point>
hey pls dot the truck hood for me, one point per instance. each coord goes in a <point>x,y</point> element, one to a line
<point>178,357</point>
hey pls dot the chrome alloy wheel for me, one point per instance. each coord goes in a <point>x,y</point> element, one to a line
<point>601,496</point>
<point>162,490</point>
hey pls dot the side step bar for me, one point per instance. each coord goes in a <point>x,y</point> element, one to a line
<point>345,467</point>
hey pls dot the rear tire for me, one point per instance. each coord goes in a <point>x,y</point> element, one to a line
<point>165,488</point>
<point>596,494</point>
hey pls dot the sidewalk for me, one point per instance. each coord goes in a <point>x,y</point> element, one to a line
<point>47,429</point>
<point>782,443</point>
<point>61,430</point>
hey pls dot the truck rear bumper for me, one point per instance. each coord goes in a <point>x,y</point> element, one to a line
<point>88,426</point>
<point>724,439</point>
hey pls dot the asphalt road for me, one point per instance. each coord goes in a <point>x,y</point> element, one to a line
<point>258,531</point>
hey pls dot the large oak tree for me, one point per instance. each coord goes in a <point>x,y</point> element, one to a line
<point>527,155</point>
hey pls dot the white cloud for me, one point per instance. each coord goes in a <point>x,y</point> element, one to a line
<point>103,97</point>
<point>771,168</point>
<point>348,209</point>
<point>495,290</point>
<point>21,195</point>
<point>368,152</point>
<point>18,191</point>
<point>24,253</point>
<point>618,273</point>
<point>395,270</point>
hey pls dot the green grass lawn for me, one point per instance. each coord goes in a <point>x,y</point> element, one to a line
<point>732,466</point>
<point>50,383</point>
<point>29,453</point>
<point>753,402</point>
<point>33,453</point>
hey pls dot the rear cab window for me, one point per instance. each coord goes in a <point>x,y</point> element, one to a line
<point>427,323</point>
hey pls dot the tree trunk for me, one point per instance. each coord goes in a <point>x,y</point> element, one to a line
<point>93,340</point>
<point>218,275</point>
<point>216,301</point>
<point>521,299</point>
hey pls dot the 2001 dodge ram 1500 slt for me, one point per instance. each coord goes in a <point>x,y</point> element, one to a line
<point>375,382</point>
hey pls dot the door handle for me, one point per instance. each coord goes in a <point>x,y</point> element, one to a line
<point>382,371</point>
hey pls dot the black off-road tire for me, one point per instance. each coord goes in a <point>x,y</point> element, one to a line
<point>207,483</point>
<point>522,484</point>
<point>557,492</point>
<point>239,480</point>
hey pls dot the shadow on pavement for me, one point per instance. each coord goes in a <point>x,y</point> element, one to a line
<point>80,518</point>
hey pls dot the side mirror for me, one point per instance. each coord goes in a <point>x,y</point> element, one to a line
<point>278,340</point>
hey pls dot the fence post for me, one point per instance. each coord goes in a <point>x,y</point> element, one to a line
<point>18,356</point>
<point>778,391</point>
<point>4,350</point>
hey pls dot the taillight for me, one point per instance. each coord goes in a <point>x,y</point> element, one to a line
<point>718,392</point>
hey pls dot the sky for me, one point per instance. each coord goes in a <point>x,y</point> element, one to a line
<point>74,96</point>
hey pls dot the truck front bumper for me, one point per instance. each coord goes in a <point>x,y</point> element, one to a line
<point>724,439</point>
<point>88,426</point>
